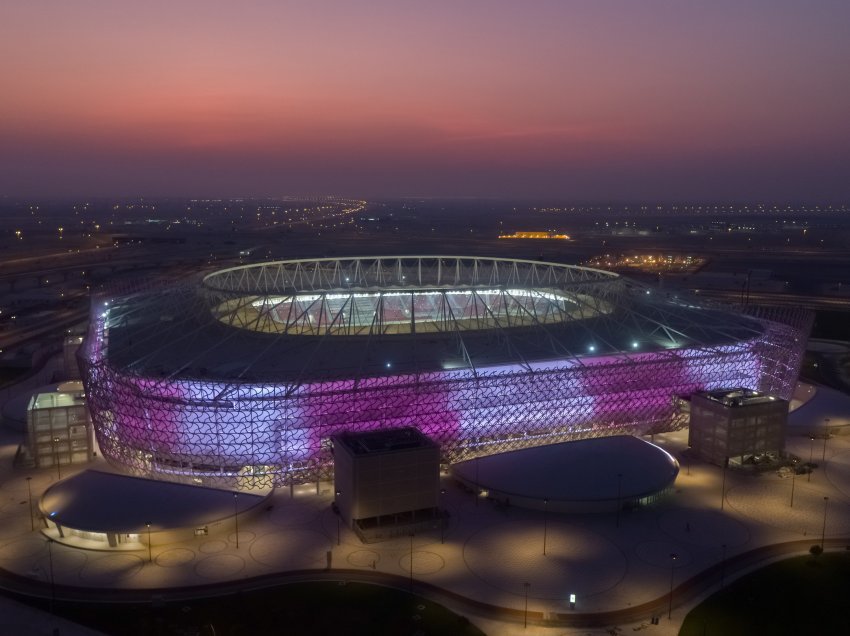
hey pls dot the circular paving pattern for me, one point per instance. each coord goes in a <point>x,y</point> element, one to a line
<point>294,549</point>
<point>19,486</point>
<point>658,553</point>
<point>294,513</point>
<point>577,558</point>
<point>769,502</point>
<point>838,472</point>
<point>363,558</point>
<point>14,522</point>
<point>23,548</point>
<point>219,566</point>
<point>174,558</point>
<point>423,562</point>
<point>67,563</point>
<point>704,528</point>
<point>109,568</point>
<point>211,547</point>
<point>244,537</point>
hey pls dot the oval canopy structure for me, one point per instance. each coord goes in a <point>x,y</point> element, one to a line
<point>590,475</point>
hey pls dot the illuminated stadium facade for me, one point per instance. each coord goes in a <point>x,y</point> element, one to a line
<point>243,377</point>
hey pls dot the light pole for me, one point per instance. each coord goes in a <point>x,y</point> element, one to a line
<point>793,480</point>
<point>56,458</point>
<point>823,530</point>
<point>477,487</point>
<point>825,437</point>
<point>619,496</point>
<point>811,455</point>
<point>52,580</point>
<point>338,516</point>
<point>236,516</point>
<point>673,557</point>
<point>150,549</point>
<point>442,519</point>
<point>411,563</point>
<point>545,523</point>
<point>526,585</point>
<point>29,494</point>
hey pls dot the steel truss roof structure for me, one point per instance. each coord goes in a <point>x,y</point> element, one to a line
<point>243,377</point>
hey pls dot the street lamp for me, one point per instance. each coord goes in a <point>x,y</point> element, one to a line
<point>442,519</point>
<point>477,486</point>
<point>673,557</point>
<point>545,523</point>
<point>411,563</point>
<point>793,480</point>
<point>619,496</point>
<point>56,458</point>
<point>811,455</point>
<point>526,585</point>
<point>823,530</point>
<point>150,549</point>
<point>52,580</point>
<point>29,494</point>
<point>825,437</point>
<point>338,516</point>
<point>236,516</point>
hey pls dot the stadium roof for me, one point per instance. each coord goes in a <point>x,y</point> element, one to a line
<point>302,321</point>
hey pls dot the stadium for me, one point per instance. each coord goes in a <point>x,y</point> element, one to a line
<point>242,377</point>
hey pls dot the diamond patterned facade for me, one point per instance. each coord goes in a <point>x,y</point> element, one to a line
<point>241,378</point>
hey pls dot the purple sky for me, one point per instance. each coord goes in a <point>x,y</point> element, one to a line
<point>590,100</point>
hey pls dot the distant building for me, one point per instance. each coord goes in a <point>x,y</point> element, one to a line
<point>59,427</point>
<point>534,235</point>
<point>386,482</point>
<point>737,424</point>
<point>69,354</point>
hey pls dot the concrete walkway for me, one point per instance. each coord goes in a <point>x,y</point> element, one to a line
<point>489,553</point>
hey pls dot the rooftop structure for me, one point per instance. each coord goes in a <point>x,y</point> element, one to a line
<point>60,431</point>
<point>737,397</point>
<point>386,482</point>
<point>737,425</point>
<point>388,441</point>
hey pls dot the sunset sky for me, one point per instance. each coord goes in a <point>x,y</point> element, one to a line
<point>582,100</point>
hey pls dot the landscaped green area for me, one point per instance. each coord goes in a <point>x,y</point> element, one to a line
<point>303,608</point>
<point>803,595</point>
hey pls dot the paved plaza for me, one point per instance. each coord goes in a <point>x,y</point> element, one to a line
<point>492,554</point>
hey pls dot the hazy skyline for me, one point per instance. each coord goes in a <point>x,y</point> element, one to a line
<point>585,100</point>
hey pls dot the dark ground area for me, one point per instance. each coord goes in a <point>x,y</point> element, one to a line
<point>305,608</point>
<point>803,595</point>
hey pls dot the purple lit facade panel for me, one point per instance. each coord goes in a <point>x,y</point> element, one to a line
<point>216,431</point>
